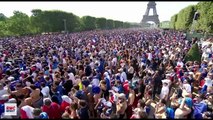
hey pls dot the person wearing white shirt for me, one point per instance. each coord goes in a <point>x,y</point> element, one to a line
<point>208,82</point>
<point>150,56</point>
<point>165,90</point>
<point>64,61</point>
<point>95,81</point>
<point>123,75</point>
<point>3,91</point>
<point>92,65</point>
<point>187,86</point>
<point>180,63</point>
<point>72,77</point>
<point>39,66</point>
<point>114,61</point>
<point>45,90</point>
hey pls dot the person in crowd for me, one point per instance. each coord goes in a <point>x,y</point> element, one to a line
<point>122,73</point>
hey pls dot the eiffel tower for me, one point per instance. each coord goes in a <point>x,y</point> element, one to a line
<point>147,17</point>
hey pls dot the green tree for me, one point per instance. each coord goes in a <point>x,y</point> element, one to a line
<point>126,25</point>
<point>173,21</point>
<point>118,24</point>
<point>2,17</point>
<point>165,24</point>
<point>101,23</point>
<point>185,18</point>
<point>19,24</point>
<point>89,23</point>
<point>54,21</point>
<point>205,21</point>
<point>193,54</point>
<point>110,24</point>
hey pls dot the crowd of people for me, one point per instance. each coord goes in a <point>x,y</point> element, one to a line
<point>123,73</point>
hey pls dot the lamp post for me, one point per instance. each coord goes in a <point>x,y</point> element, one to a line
<point>65,25</point>
<point>195,18</point>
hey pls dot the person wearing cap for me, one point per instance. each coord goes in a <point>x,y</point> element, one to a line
<point>43,115</point>
<point>26,112</point>
<point>51,108</point>
<point>121,106</point>
<point>66,101</point>
<point>184,109</point>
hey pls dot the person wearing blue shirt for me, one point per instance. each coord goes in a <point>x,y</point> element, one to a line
<point>120,87</point>
<point>108,83</point>
<point>101,66</point>
<point>170,113</point>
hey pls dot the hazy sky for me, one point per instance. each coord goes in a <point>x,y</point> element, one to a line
<point>124,11</point>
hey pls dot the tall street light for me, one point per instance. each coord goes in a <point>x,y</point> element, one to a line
<point>195,18</point>
<point>65,25</point>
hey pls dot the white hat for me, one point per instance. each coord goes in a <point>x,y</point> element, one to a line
<point>5,97</point>
<point>12,100</point>
<point>122,95</point>
<point>45,76</point>
<point>191,73</point>
<point>106,73</point>
<point>9,63</point>
<point>66,99</point>
<point>10,78</point>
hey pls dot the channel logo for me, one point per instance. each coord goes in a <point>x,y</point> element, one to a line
<point>10,109</point>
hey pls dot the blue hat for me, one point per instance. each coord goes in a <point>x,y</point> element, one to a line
<point>118,77</point>
<point>79,94</point>
<point>85,82</point>
<point>96,89</point>
<point>189,102</point>
<point>43,115</point>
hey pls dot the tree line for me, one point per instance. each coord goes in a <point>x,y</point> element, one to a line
<point>184,19</point>
<point>54,21</point>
